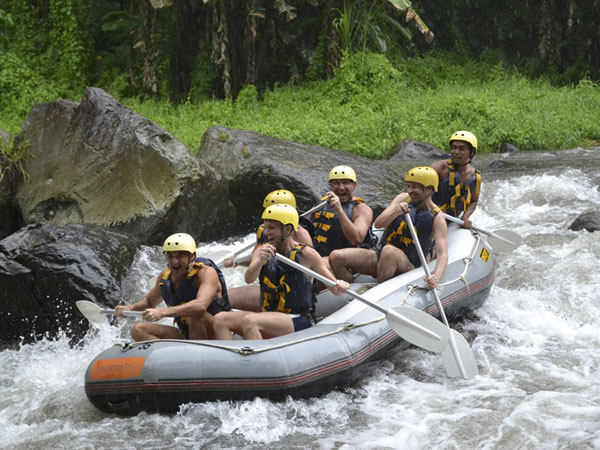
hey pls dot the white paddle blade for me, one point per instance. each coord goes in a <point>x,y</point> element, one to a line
<point>504,240</point>
<point>418,328</point>
<point>458,357</point>
<point>91,311</point>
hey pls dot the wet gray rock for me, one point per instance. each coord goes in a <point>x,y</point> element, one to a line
<point>415,150</point>
<point>588,220</point>
<point>508,148</point>
<point>45,269</point>
<point>97,162</point>
<point>254,165</point>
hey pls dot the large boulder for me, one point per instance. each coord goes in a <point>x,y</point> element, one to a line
<point>45,269</point>
<point>97,162</point>
<point>255,164</point>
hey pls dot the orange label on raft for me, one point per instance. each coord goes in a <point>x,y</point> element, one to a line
<point>109,369</point>
<point>485,255</point>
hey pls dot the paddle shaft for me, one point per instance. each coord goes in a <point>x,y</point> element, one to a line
<point>108,312</point>
<point>419,327</point>
<point>413,232</point>
<point>326,281</point>
<point>314,208</point>
<point>479,230</point>
<point>452,341</point>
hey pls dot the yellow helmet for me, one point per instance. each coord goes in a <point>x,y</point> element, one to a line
<point>342,173</point>
<point>280,196</point>
<point>466,136</point>
<point>424,175</point>
<point>179,242</point>
<point>285,214</point>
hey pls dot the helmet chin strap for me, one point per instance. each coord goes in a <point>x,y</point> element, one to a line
<point>283,236</point>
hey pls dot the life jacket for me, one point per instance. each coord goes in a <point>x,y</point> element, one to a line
<point>187,290</point>
<point>284,288</point>
<point>453,196</point>
<point>398,234</point>
<point>261,237</point>
<point>329,235</point>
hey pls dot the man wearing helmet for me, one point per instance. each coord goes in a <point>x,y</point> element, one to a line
<point>397,252</point>
<point>458,191</point>
<point>286,293</point>
<point>193,289</point>
<point>346,220</point>
<point>247,298</point>
<point>283,197</point>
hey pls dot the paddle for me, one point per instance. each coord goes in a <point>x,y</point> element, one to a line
<point>500,240</point>
<point>410,324</point>
<point>457,357</point>
<point>219,256</point>
<point>95,314</point>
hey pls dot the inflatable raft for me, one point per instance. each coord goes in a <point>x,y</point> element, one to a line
<point>159,376</point>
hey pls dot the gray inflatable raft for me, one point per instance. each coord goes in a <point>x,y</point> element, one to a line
<point>159,376</point>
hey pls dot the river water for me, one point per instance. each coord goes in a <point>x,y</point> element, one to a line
<point>536,341</point>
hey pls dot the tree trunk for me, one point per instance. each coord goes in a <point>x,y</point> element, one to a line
<point>550,31</point>
<point>219,45</point>
<point>149,77</point>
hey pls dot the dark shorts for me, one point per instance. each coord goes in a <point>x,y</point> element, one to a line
<point>301,322</point>
<point>218,305</point>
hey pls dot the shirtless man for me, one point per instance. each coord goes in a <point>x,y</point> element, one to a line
<point>346,220</point>
<point>193,289</point>
<point>396,252</point>
<point>286,292</point>
<point>247,298</point>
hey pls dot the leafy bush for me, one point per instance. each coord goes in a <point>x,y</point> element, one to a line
<point>370,105</point>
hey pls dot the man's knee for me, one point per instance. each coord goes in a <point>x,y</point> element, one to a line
<point>220,320</point>
<point>138,331</point>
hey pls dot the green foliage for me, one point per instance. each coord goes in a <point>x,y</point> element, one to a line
<point>67,52</point>
<point>247,97</point>
<point>367,25</point>
<point>371,104</point>
<point>21,87</point>
<point>15,156</point>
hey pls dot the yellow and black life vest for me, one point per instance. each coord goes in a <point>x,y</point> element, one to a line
<point>284,288</point>
<point>453,196</point>
<point>398,234</point>
<point>187,290</point>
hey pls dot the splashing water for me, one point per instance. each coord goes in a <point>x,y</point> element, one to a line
<point>535,339</point>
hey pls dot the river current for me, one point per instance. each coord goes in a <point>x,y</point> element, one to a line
<point>536,341</point>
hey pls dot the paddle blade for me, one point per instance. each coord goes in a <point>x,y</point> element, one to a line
<point>504,240</point>
<point>458,357</point>
<point>418,328</point>
<point>91,311</point>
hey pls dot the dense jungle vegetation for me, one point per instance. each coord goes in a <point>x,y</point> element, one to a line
<point>355,75</point>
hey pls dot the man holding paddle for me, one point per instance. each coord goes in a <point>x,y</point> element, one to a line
<point>193,289</point>
<point>287,294</point>
<point>247,298</point>
<point>458,191</point>
<point>397,252</point>
<point>346,220</point>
